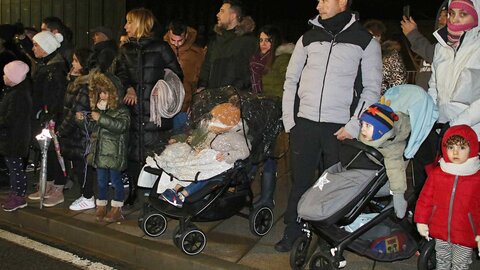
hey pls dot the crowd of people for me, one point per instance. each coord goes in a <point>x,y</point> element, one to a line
<point>330,81</point>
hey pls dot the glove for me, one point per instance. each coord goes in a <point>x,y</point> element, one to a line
<point>423,230</point>
<point>478,243</point>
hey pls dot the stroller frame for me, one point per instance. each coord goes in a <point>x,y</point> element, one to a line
<point>334,244</point>
<point>226,194</point>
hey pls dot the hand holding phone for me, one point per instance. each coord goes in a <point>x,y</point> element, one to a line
<point>406,11</point>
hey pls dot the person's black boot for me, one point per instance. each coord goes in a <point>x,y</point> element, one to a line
<point>292,232</point>
<point>268,189</point>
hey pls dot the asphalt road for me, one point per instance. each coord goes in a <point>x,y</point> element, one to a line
<point>19,252</point>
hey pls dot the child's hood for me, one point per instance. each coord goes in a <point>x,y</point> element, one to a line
<point>465,132</point>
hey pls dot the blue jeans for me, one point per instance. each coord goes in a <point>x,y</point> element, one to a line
<point>194,187</point>
<point>103,175</point>
<point>179,120</point>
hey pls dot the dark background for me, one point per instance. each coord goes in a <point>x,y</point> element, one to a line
<point>290,15</point>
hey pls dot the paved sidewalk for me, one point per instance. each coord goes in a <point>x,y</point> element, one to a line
<point>230,244</point>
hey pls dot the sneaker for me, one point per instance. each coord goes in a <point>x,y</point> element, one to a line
<point>172,198</point>
<point>56,197</point>
<point>14,202</point>
<point>82,203</point>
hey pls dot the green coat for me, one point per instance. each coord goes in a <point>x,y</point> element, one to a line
<point>109,139</point>
<point>273,81</point>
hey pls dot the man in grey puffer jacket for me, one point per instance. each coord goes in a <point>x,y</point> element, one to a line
<point>322,73</point>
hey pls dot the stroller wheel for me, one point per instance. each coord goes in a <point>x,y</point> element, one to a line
<point>427,260</point>
<point>154,224</point>
<point>261,221</point>
<point>299,253</point>
<point>193,241</point>
<point>321,262</point>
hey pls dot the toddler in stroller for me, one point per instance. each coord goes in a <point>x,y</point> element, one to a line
<point>215,186</point>
<point>354,189</point>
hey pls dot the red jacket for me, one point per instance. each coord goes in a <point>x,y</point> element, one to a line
<point>449,204</point>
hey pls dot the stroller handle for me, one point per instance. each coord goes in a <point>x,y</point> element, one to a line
<point>363,147</point>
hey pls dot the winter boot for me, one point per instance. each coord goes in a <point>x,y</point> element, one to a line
<point>101,210</point>
<point>56,196</point>
<point>14,202</point>
<point>268,189</point>
<point>48,190</point>
<point>115,213</point>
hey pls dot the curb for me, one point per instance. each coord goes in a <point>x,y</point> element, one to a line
<point>112,244</point>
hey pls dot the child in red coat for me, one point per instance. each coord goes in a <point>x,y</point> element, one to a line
<point>448,208</point>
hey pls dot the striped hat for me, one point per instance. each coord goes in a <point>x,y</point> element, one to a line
<point>381,117</point>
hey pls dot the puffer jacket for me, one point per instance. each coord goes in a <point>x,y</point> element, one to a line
<point>49,84</point>
<point>190,57</point>
<point>449,203</point>
<point>15,115</point>
<point>228,57</point>
<point>392,145</point>
<point>140,65</point>
<point>74,138</point>
<point>454,85</point>
<point>110,139</point>
<point>322,72</point>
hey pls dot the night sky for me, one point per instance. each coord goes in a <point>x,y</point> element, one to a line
<point>290,15</point>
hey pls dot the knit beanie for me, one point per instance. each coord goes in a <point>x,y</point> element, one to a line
<point>16,71</point>
<point>381,117</point>
<point>48,41</point>
<point>225,117</point>
<point>455,31</point>
<point>465,132</point>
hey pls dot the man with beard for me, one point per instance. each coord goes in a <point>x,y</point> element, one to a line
<point>229,53</point>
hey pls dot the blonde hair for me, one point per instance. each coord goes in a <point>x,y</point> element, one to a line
<point>143,20</point>
<point>98,83</point>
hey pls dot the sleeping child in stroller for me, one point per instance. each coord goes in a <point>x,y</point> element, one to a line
<point>211,149</point>
<point>387,132</point>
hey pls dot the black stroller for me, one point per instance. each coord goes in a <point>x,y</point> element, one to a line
<point>361,190</point>
<point>400,241</point>
<point>224,195</point>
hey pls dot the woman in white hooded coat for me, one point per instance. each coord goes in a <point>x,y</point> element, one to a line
<point>454,85</point>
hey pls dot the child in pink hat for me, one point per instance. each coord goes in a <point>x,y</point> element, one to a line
<point>15,126</point>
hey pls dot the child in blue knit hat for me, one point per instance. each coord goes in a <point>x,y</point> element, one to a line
<point>388,131</point>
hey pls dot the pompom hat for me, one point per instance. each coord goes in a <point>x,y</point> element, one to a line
<point>381,117</point>
<point>48,41</point>
<point>16,71</point>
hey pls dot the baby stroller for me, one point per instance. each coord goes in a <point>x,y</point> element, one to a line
<point>353,211</point>
<point>225,194</point>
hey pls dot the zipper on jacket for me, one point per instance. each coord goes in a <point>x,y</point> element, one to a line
<point>432,214</point>
<point>325,74</point>
<point>450,207</point>
<point>472,223</point>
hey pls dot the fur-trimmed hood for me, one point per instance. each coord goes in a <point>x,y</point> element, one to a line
<point>246,26</point>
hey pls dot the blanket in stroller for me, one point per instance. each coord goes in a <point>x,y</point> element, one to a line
<point>332,192</point>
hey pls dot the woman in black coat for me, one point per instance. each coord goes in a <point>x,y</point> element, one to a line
<point>140,65</point>
<point>15,113</point>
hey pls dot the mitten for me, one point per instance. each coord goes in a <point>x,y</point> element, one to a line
<point>478,243</point>
<point>399,205</point>
<point>423,230</point>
